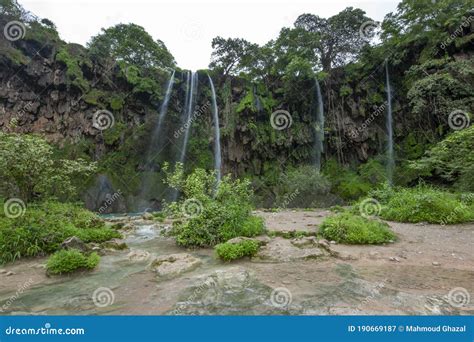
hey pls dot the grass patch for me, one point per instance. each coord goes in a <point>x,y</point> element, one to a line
<point>425,204</point>
<point>232,251</point>
<point>354,229</point>
<point>44,226</point>
<point>68,261</point>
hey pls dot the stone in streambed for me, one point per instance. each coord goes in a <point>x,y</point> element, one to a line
<point>282,250</point>
<point>171,266</point>
<point>74,243</point>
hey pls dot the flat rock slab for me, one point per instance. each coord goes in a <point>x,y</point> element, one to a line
<point>172,265</point>
<point>283,250</point>
<point>294,221</point>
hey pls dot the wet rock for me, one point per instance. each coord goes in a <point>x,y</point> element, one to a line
<point>2,271</point>
<point>304,241</point>
<point>280,249</point>
<point>394,259</point>
<point>170,266</point>
<point>115,244</point>
<point>230,291</point>
<point>323,243</point>
<point>9,273</point>
<point>435,263</point>
<point>139,255</point>
<point>74,243</point>
<point>263,239</point>
<point>147,216</point>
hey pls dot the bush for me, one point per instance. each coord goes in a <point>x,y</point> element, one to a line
<point>47,175</point>
<point>211,215</point>
<point>425,204</point>
<point>345,183</point>
<point>231,251</point>
<point>44,226</point>
<point>67,261</point>
<point>451,160</point>
<point>353,229</point>
<point>302,187</point>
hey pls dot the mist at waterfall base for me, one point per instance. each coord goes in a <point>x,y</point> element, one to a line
<point>145,199</point>
<point>390,157</point>
<point>217,133</point>
<point>319,127</point>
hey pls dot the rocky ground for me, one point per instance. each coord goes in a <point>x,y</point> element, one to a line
<point>428,270</point>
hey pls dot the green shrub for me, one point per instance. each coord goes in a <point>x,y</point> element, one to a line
<point>300,187</point>
<point>67,261</point>
<point>208,215</point>
<point>231,251</point>
<point>44,226</point>
<point>345,182</point>
<point>451,160</point>
<point>354,229</point>
<point>424,204</point>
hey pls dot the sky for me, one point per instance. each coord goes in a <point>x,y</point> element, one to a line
<point>187,27</point>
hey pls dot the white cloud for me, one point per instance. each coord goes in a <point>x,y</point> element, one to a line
<point>187,27</point>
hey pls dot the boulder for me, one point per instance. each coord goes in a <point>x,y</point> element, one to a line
<point>139,255</point>
<point>170,266</point>
<point>147,216</point>
<point>115,244</point>
<point>282,250</point>
<point>74,243</point>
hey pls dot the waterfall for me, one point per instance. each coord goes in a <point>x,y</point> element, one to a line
<point>217,133</point>
<point>156,143</point>
<point>390,160</point>
<point>319,127</point>
<point>191,94</point>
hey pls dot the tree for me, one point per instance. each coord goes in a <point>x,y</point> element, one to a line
<point>132,44</point>
<point>337,39</point>
<point>232,55</point>
<point>28,169</point>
